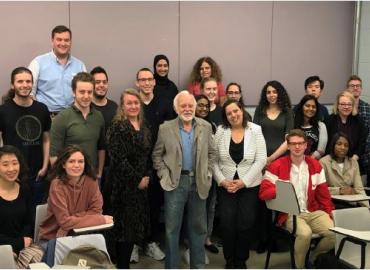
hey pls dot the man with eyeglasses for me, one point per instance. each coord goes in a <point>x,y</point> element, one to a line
<point>156,111</point>
<point>354,85</point>
<point>308,179</point>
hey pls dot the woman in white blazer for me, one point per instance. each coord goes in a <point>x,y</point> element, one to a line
<point>241,157</point>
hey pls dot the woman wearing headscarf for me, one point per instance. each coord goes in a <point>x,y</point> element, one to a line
<point>164,87</point>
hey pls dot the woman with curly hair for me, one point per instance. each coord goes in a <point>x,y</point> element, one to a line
<point>129,146</point>
<point>274,115</point>
<point>306,118</point>
<point>206,67</point>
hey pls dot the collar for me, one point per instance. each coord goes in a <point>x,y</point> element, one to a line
<point>74,107</point>
<point>57,59</point>
<point>181,124</point>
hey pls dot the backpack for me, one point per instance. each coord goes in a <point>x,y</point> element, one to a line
<point>88,256</point>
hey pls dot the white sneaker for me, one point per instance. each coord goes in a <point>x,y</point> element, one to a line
<point>135,254</point>
<point>154,251</point>
<point>206,259</point>
<point>187,256</point>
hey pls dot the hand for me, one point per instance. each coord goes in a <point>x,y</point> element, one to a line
<point>269,160</point>
<point>27,241</point>
<point>42,172</point>
<point>236,185</point>
<point>355,157</point>
<point>108,219</point>
<point>144,183</point>
<point>346,191</point>
<point>226,184</point>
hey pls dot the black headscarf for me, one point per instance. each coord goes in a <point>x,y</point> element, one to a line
<point>160,79</point>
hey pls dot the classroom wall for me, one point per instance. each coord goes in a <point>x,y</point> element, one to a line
<point>253,42</point>
<point>364,50</point>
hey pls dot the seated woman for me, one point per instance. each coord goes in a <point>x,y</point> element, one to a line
<point>342,172</point>
<point>241,156</point>
<point>16,208</point>
<point>74,199</point>
<point>306,118</point>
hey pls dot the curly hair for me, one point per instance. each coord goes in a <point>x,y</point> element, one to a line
<point>299,116</point>
<point>215,70</point>
<point>283,100</point>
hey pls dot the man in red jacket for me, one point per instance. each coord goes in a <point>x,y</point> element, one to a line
<point>308,179</point>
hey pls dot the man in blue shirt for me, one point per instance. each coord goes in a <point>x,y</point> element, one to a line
<point>183,157</point>
<point>53,72</point>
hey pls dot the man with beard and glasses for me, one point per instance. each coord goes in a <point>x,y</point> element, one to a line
<point>25,124</point>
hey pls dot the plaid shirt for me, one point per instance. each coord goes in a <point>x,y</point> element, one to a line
<point>364,114</point>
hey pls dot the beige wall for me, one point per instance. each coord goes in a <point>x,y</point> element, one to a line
<point>253,42</point>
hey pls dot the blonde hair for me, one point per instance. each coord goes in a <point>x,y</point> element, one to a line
<point>120,115</point>
<point>349,95</point>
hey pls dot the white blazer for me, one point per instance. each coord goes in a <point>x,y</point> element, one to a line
<point>254,158</point>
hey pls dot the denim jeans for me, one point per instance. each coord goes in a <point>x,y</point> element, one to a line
<point>174,203</point>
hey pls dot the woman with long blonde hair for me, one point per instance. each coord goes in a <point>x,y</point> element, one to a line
<point>129,145</point>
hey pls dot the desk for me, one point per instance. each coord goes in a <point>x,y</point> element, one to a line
<point>351,198</point>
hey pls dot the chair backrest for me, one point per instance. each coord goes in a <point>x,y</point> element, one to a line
<point>7,258</point>
<point>357,219</point>
<point>286,199</point>
<point>41,211</point>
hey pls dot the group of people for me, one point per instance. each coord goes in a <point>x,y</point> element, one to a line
<point>183,151</point>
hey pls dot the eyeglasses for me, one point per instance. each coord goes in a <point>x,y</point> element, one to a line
<point>345,104</point>
<point>142,80</point>
<point>296,143</point>
<point>355,85</point>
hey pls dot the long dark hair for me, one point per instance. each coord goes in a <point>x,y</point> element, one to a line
<point>283,100</point>
<point>225,122</point>
<point>58,171</point>
<point>23,168</point>
<point>299,116</point>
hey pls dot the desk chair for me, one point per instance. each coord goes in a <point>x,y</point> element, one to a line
<point>7,258</point>
<point>286,201</point>
<point>41,211</point>
<point>352,228</point>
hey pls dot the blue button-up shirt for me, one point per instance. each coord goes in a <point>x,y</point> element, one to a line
<point>187,142</point>
<point>52,80</point>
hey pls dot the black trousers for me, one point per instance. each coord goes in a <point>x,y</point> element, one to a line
<point>156,201</point>
<point>237,218</point>
<point>124,250</point>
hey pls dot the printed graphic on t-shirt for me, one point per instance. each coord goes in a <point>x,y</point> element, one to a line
<point>28,128</point>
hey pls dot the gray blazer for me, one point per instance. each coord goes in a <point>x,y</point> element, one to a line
<point>167,155</point>
<point>254,158</point>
